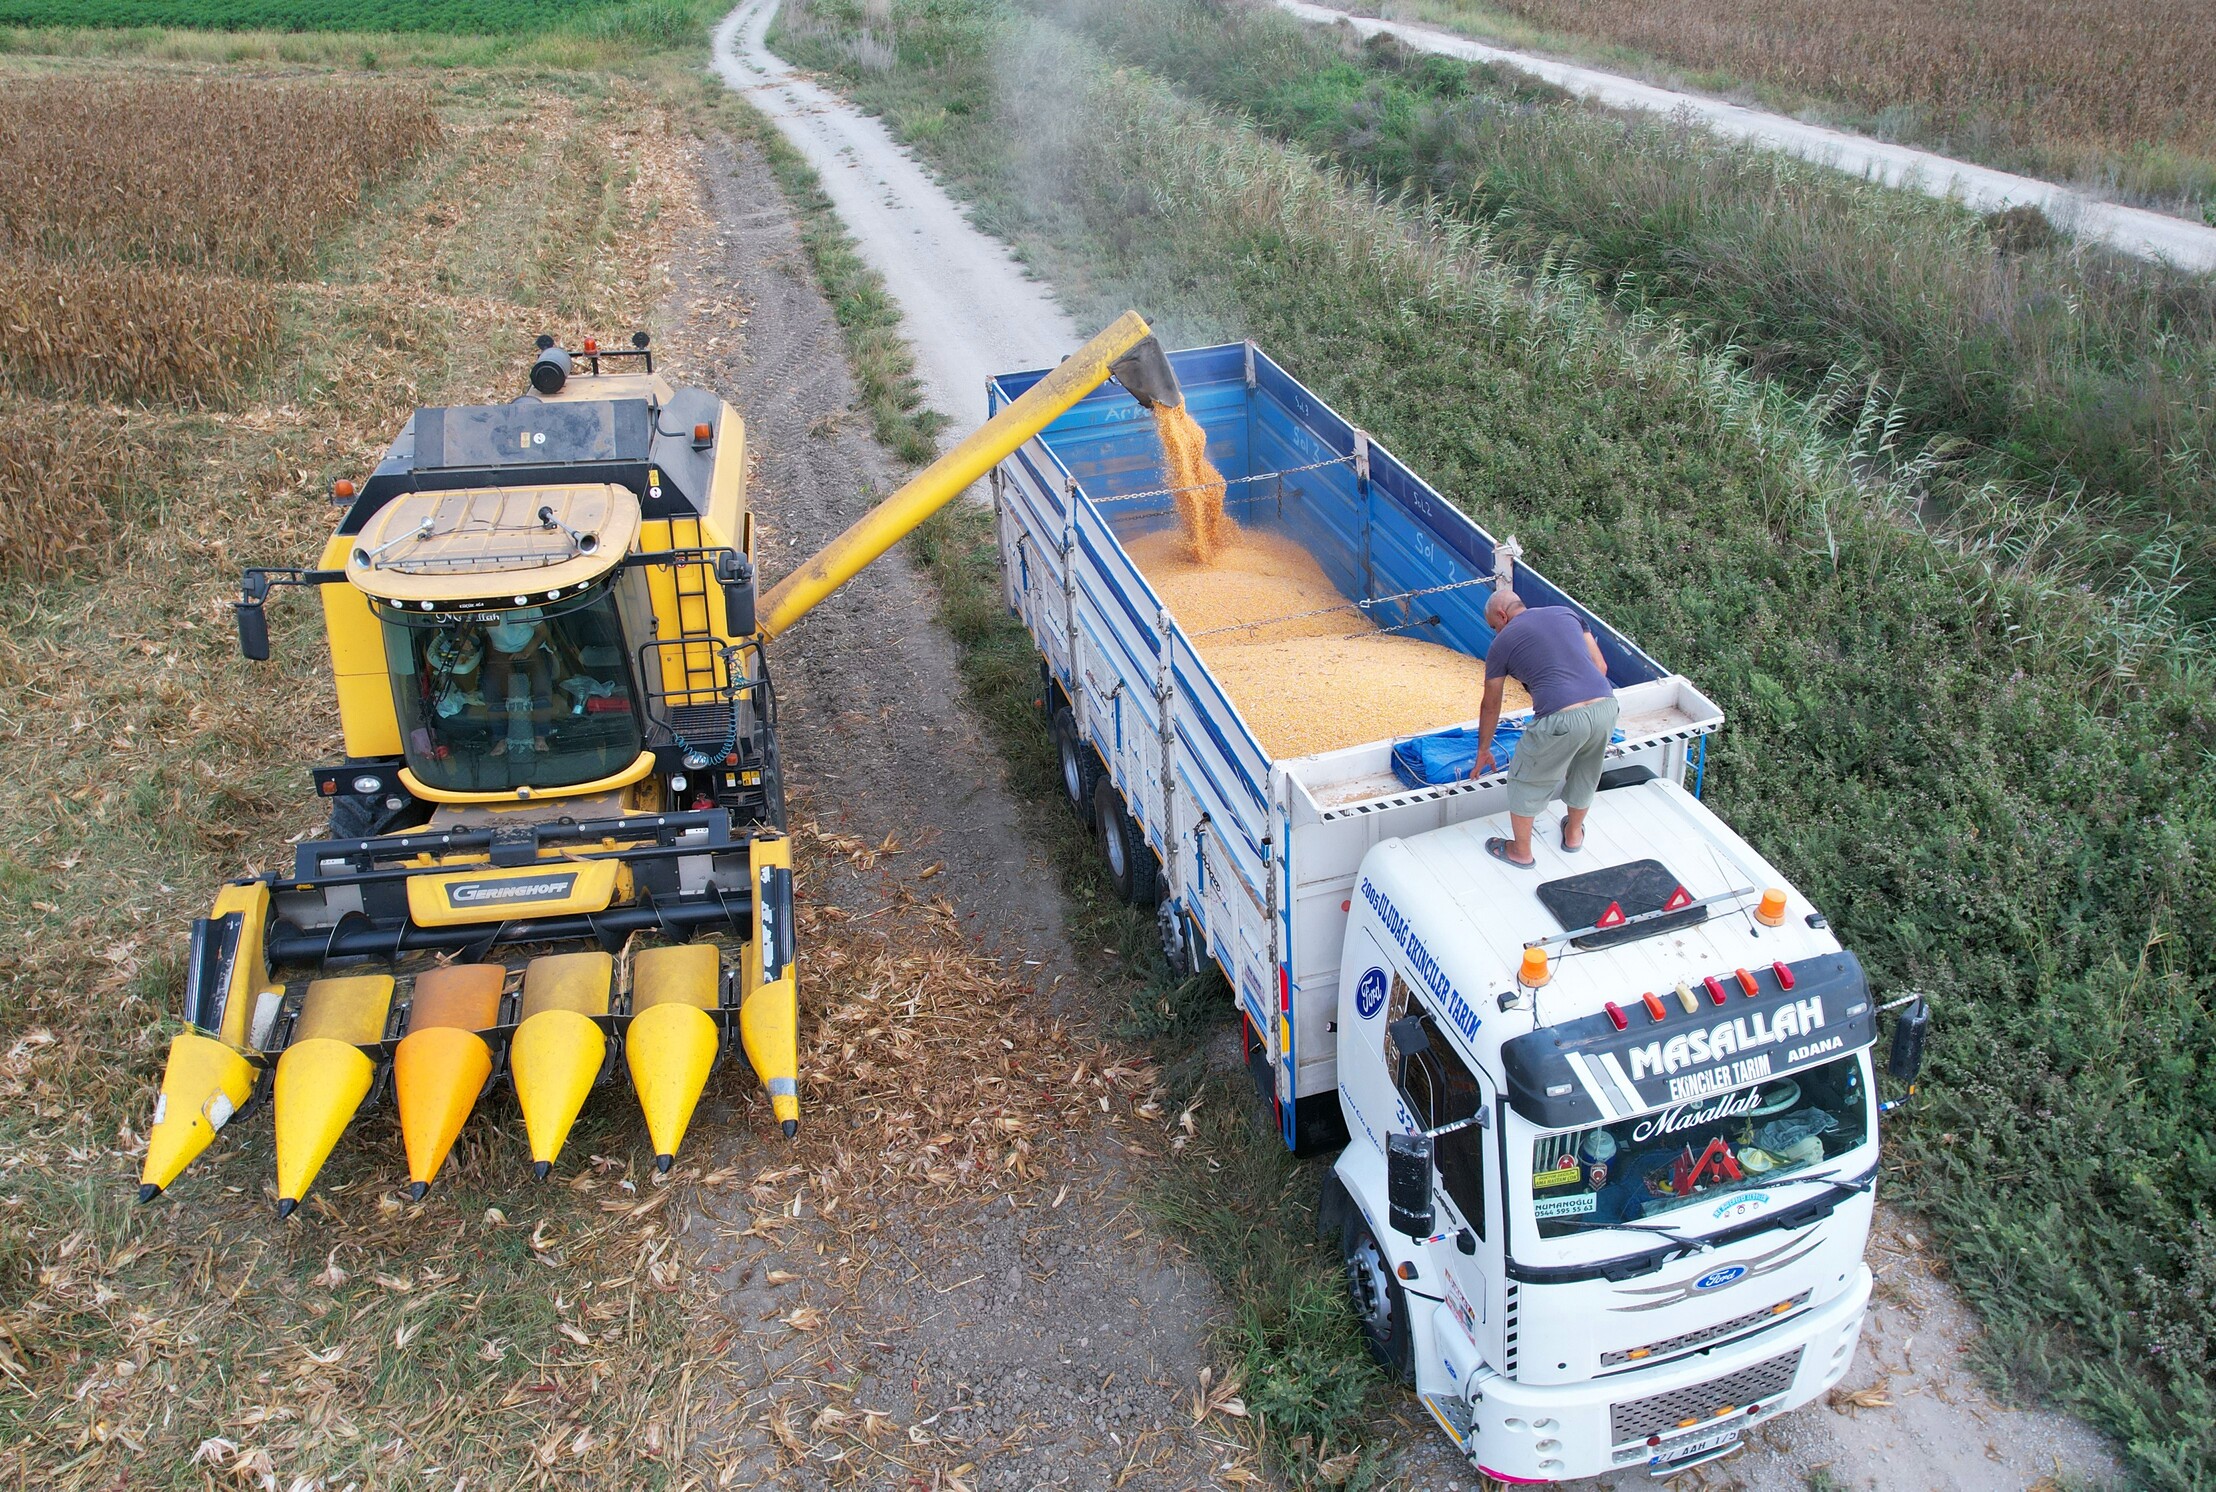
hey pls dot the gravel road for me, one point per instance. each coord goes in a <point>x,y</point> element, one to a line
<point>2151,235</point>
<point>1061,1337</point>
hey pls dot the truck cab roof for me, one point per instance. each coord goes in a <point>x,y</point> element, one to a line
<point>1505,907</point>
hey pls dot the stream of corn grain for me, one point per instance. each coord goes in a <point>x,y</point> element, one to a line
<point>1307,670</point>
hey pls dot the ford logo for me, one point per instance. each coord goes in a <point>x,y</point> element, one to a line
<point>1369,994</point>
<point>1716,1279</point>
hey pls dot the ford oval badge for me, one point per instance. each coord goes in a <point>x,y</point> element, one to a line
<point>1369,994</point>
<point>1716,1279</point>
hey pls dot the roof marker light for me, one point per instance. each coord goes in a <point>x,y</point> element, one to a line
<point>1616,1016</point>
<point>1655,1011</point>
<point>342,489</point>
<point>1534,971</point>
<point>1685,997</point>
<point>1747,986</point>
<point>1784,975</point>
<point>592,344</point>
<point>1771,913</point>
<point>1715,988</point>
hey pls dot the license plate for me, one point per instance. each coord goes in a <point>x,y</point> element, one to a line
<point>1699,1445</point>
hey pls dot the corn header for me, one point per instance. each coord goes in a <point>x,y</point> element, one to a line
<point>557,845</point>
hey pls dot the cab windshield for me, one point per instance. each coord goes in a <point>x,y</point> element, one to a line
<point>1691,1153</point>
<point>531,696</point>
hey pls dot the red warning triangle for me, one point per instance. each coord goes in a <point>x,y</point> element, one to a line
<point>1679,899</point>
<point>1613,917</point>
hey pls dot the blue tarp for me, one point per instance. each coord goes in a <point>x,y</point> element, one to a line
<point>1447,756</point>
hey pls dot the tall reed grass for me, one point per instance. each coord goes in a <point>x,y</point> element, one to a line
<point>1992,775</point>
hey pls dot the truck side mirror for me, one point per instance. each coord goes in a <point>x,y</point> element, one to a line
<point>737,578</point>
<point>253,630</point>
<point>1408,1040</point>
<point>1907,1059</point>
<point>1408,1185</point>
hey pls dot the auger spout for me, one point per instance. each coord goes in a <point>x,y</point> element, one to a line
<point>1121,351</point>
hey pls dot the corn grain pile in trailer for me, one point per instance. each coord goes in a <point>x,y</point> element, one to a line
<point>1609,1121</point>
<point>557,844</point>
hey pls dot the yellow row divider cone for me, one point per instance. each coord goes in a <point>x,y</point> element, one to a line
<point>670,1044</point>
<point>769,1010</point>
<point>442,1063</point>
<point>323,1075</point>
<point>558,1049</point>
<point>205,1083</point>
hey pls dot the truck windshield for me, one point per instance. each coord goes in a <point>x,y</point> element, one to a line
<point>1696,1152</point>
<point>533,696</point>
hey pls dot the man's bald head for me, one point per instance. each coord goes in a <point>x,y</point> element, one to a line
<point>1502,609</point>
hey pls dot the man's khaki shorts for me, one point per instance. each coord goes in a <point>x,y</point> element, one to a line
<point>1561,751</point>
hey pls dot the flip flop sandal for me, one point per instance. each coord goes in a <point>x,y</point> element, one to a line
<point>1567,847</point>
<point>1498,849</point>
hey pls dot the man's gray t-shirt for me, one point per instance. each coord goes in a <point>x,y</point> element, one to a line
<point>1543,649</point>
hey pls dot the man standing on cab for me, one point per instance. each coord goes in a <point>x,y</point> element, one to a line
<point>1549,651</point>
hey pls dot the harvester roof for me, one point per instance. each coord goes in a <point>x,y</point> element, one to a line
<point>493,542</point>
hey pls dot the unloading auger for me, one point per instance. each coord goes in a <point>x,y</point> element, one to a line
<point>561,775</point>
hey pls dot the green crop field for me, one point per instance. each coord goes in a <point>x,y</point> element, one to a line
<point>458,16</point>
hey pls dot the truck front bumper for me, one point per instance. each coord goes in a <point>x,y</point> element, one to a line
<point>1669,1416</point>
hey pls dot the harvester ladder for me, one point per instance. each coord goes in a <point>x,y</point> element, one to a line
<point>694,625</point>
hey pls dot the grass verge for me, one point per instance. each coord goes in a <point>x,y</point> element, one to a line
<point>1994,780</point>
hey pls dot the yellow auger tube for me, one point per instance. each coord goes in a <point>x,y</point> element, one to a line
<point>948,477</point>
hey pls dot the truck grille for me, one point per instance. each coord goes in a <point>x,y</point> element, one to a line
<point>1636,1419</point>
<point>1669,1346</point>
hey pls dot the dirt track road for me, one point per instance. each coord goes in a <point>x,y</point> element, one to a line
<point>2151,235</point>
<point>1071,1334</point>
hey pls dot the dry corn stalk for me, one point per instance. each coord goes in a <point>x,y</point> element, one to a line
<point>245,177</point>
<point>131,332</point>
<point>58,483</point>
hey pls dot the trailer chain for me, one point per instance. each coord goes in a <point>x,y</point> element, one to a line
<point>1357,606</point>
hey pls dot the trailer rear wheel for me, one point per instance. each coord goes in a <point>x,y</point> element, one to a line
<point>1380,1305</point>
<point>1080,766</point>
<point>1123,845</point>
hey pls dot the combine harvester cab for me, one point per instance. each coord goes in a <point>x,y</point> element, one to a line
<point>561,770</point>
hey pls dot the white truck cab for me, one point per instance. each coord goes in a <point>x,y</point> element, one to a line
<point>1610,1212</point>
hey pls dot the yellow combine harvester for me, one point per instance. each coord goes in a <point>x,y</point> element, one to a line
<point>561,769</point>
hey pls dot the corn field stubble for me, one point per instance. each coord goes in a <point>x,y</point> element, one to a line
<point>1993,778</point>
<point>197,1341</point>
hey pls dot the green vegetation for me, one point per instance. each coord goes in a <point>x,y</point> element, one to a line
<point>1996,779</point>
<point>2003,349</point>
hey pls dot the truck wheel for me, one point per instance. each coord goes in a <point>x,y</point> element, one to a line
<point>1130,862</point>
<point>1180,949</point>
<point>1080,766</point>
<point>1380,1305</point>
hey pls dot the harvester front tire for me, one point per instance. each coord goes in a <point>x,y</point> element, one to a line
<point>1079,764</point>
<point>1123,847</point>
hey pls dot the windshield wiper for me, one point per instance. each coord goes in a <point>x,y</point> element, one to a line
<point>1682,1240</point>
